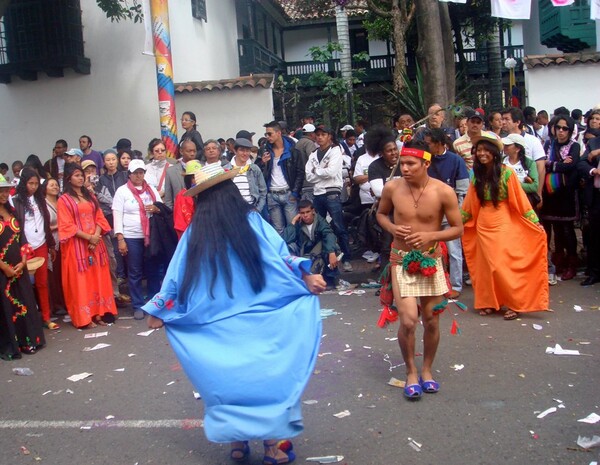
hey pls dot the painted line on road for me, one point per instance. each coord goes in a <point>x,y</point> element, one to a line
<point>89,424</point>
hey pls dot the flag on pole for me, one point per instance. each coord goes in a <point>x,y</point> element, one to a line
<point>511,9</point>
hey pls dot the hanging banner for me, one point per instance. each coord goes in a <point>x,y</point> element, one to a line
<point>454,1</point>
<point>511,9</point>
<point>562,2</point>
<point>595,9</point>
<point>148,38</point>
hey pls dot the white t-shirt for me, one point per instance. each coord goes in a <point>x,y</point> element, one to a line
<point>362,168</point>
<point>126,212</point>
<point>34,225</point>
<point>518,168</point>
<point>278,181</point>
<point>533,147</point>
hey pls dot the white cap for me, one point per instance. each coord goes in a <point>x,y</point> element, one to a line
<point>135,165</point>
<point>309,128</point>
<point>347,128</point>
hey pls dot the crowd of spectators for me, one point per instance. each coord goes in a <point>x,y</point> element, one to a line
<point>103,222</point>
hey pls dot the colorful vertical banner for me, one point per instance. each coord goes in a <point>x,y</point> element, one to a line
<point>164,74</point>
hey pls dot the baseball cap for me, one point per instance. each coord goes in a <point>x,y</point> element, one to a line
<point>469,114</point>
<point>324,129</point>
<point>123,144</point>
<point>87,163</point>
<point>347,128</point>
<point>243,134</point>
<point>77,152</point>
<point>309,128</point>
<point>135,165</point>
<point>243,142</point>
<point>514,139</point>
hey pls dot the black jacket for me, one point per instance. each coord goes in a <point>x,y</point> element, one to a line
<point>292,165</point>
<point>163,238</point>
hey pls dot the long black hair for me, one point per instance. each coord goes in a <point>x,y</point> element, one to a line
<point>39,197</point>
<point>220,225</point>
<point>485,178</point>
<point>70,170</point>
<point>33,161</point>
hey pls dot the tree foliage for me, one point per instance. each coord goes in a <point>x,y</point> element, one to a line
<point>333,93</point>
<point>121,10</point>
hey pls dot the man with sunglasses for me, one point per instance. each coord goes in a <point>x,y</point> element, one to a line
<point>512,123</point>
<point>284,175</point>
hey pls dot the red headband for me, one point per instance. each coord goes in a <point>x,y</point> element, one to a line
<point>409,152</point>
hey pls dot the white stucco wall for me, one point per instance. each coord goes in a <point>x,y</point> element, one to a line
<point>554,86</point>
<point>204,51</point>
<point>297,42</point>
<point>241,109</point>
<point>119,97</point>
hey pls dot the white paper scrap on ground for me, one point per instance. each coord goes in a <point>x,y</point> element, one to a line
<point>326,459</point>
<point>146,333</point>
<point>96,347</point>
<point>110,417</point>
<point>342,414</point>
<point>310,402</point>
<point>92,335</point>
<point>558,350</point>
<point>457,367</point>
<point>172,382</point>
<point>120,369</point>
<point>396,382</point>
<point>588,443</point>
<point>547,412</point>
<point>592,419</point>
<point>197,395</point>
<point>414,444</point>
<point>538,327</point>
<point>79,376</point>
<point>131,355</point>
<point>577,308</point>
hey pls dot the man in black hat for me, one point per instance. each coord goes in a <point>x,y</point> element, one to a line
<point>243,134</point>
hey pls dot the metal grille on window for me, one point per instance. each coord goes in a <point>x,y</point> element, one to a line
<point>199,9</point>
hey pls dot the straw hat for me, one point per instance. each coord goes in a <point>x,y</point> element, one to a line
<point>4,182</point>
<point>210,176</point>
<point>34,263</point>
<point>488,136</point>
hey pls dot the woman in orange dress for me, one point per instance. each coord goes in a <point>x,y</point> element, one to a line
<point>85,269</point>
<point>504,244</point>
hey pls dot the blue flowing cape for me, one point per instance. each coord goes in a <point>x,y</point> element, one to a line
<point>249,357</point>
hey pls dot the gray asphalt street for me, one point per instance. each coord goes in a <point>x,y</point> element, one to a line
<point>137,407</point>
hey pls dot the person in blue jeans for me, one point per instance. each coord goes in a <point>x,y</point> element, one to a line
<point>284,175</point>
<point>133,205</point>
<point>324,170</point>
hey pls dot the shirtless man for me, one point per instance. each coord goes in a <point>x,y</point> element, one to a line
<point>419,204</point>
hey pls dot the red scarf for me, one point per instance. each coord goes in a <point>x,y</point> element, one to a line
<point>143,215</point>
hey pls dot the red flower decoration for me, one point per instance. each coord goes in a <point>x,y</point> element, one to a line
<point>169,304</point>
<point>414,267</point>
<point>428,271</point>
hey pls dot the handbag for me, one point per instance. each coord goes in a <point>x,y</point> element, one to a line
<point>554,182</point>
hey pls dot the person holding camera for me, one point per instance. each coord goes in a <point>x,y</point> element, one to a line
<point>85,267</point>
<point>102,193</point>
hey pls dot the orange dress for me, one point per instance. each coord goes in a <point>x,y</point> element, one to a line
<point>505,249</point>
<point>85,274</point>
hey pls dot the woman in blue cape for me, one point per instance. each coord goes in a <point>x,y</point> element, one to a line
<point>241,316</point>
